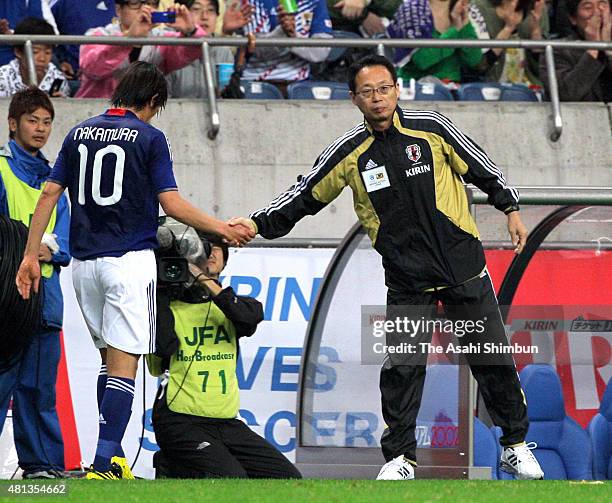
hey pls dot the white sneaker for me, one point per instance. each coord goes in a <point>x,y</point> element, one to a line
<point>521,462</point>
<point>396,469</point>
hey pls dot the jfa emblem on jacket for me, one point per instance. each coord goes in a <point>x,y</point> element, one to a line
<point>413,152</point>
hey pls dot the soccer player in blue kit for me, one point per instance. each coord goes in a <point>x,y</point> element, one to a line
<point>117,168</point>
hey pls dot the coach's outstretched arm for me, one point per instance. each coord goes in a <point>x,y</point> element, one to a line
<point>178,208</point>
<point>28,275</point>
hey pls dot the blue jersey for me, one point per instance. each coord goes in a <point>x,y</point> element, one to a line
<point>114,166</point>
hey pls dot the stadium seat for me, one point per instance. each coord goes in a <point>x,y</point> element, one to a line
<point>600,431</point>
<point>256,90</point>
<point>494,91</point>
<point>312,90</point>
<point>486,453</point>
<point>337,52</point>
<point>424,91</point>
<point>430,91</point>
<point>563,447</point>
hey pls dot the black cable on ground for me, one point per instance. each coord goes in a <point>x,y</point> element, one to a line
<point>19,319</point>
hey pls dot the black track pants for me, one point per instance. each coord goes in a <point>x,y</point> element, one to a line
<point>401,385</point>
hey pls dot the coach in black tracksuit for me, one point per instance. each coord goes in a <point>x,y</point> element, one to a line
<point>407,183</point>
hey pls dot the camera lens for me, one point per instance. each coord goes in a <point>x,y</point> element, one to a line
<point>173,272</point>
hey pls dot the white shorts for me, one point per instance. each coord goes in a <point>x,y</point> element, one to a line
<point>117,299</point>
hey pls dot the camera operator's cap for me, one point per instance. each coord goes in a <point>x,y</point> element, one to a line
<point>216,241</point>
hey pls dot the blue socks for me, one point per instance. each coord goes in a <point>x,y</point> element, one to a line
<point>101,384</point>
<point>115,411</point>
<point>101,388</point>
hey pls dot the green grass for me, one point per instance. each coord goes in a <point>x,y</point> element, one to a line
<point>315,491</point>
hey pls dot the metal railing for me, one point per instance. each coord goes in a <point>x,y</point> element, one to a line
<point>544,195</point>
<point>547,45</point>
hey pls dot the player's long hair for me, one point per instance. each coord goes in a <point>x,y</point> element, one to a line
<point>142,84</point>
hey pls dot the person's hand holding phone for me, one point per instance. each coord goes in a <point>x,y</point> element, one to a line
<point>143,24</point>
<point>54,90</point>
<point>184,20</point>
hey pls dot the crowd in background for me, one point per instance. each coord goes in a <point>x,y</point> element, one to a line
<point>93,70</point>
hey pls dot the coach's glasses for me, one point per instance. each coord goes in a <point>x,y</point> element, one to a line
<point>137,4</point>
<point>369,92</point>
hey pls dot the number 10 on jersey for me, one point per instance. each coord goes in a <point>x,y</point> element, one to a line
<point>100,200</point>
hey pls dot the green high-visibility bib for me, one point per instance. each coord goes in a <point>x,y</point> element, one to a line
<point>22,200</point>
<point>203,371</point>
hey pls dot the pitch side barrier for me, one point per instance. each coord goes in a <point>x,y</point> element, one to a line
<point>380,44</point>
<point>339,424</point>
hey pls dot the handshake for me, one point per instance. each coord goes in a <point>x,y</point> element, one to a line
<point>239,231</point>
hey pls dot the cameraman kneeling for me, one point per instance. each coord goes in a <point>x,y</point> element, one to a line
<point>194,415</point>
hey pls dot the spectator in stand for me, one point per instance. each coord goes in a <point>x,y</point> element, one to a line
<point>367,17</point>
<point>103,65</point>
<point>14,76</point>
<point>585,75</point>
<point>514,19</point>
<point>75,17</point>
<point>188,82</point>
<point>443,19</point>
<point>283,65</point>
<point>12,12</point>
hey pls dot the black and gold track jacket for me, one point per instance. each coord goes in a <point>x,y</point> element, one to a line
<point>408,194</point>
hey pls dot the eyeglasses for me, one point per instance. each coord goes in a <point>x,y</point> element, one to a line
<point>369,92</point>
<point>199,9</point>
<point>136,4</point>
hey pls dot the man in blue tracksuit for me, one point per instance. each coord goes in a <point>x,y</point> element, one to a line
<point>31,382</point>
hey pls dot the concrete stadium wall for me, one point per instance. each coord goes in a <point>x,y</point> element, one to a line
<point>263,146</point>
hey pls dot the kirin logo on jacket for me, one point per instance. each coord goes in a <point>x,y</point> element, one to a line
<point>413,152</point>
